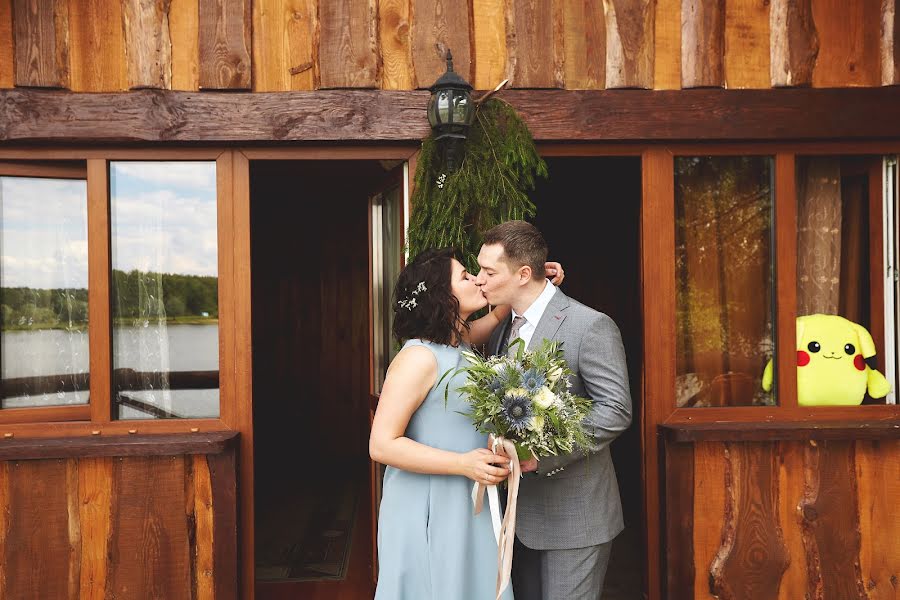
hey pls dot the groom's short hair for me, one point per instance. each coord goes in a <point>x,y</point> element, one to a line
<point>522,245</point>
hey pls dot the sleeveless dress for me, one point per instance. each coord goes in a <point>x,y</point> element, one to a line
<point>430,544</point>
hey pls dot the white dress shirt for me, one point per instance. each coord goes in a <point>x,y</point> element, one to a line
<point>534,313</point>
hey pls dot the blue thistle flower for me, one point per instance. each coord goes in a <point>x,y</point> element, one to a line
<point>516,411</point>
<point>532,380</point>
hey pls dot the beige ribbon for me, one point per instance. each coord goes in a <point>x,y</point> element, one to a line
<point>506,533</point>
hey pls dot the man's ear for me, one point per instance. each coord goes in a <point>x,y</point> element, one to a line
<point>524,274</point>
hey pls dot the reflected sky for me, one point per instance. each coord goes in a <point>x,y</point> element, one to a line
<point>43,240</point>
<point>164,217</point>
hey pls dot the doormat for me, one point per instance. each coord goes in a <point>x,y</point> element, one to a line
<point>323,551</point>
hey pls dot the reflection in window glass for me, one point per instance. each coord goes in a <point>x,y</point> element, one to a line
<point>724,279</point>
<point>844,249</point>
<point>164,289</point>
<point>43,292</point>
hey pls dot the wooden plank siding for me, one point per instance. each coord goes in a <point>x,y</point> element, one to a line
<point>288,45</point>
<point>225,44</point>
<point>96,46</point>
<point>41,30</point>
<point>783,519</point>
<point>94,527</point>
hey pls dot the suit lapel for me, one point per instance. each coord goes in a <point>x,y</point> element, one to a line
<point>495,350</point>
<point>551,320</point>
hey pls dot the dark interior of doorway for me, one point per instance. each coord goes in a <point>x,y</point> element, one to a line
<point>589,212</point>
<point>310,279</point>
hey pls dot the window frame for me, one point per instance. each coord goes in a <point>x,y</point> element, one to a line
<point>97,416</point>
<point>786,410</point>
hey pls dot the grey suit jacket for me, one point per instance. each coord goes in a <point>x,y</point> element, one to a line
<point>573,499</point>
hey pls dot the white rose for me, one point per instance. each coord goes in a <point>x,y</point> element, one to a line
<point>537,422</point>
<point>544,397</point>
<point>554,375</point>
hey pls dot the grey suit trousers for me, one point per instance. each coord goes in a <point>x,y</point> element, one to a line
<point>575,574</point>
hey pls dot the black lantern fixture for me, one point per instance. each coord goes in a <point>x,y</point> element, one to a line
<point>450,112</point>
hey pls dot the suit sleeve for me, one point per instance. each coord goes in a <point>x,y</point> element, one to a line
<point>602,367</point>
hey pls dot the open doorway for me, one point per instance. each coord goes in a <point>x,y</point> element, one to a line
<point>311,288</point>
<point>589,212</point>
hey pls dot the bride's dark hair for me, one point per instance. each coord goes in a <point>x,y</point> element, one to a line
<point>424,305</point>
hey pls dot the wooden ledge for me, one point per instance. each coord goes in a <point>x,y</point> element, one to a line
<point>762,431</point>
<point>149,444</point>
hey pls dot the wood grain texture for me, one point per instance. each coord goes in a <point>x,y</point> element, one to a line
<point>204,541</point>
<point>100,331</point>
<point>703,115</point>
<point>849,46</point>
<point>347,44</point>
<point>794,43</point>
<point>830,521</point>
<point>394,21</point>
<point>667,45</point>
<point>629,43</point>
<point>753,557</point>
<point>791,486</point>
<point>38,548</point>
<point>680,499</point>
<point>97,46</point>
<point>534,42</point>
<point>149,549</point>
<point>223,496</point>
<point>4,522</point>
<point>747,61</point>
<point>95,511</point>
<point>436,26</point>
<point>7,48</point>
<point>702,43</point>
<point>148,45</point>
<point>713,523</point>
<point>489,33</point>
<point>225,44</point>
<point>41,43</point>
<point>786,280</point>
<point>878,474</point>
<point>184,31</point>
<point>890,42</point>
<point>585,44</point>
<point>284,45</point>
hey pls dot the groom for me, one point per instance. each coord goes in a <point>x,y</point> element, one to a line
<point>568,508</point>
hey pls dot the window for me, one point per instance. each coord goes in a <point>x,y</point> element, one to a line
<point>110,292</point>
<point>729,303</point>
<point>845,257</point>
<point>44,352</point>
<point>165,304</point>
<point>724,280</point>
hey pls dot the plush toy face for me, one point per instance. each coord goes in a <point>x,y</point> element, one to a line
<point>831,367</point>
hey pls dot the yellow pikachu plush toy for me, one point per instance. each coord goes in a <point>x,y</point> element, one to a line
<point>831,366</point>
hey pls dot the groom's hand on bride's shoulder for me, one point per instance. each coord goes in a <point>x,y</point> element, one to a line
<point>554,272</point>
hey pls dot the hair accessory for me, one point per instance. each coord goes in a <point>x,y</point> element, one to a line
<point>409,302</point>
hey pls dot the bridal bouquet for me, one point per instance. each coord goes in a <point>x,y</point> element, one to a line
<point>526,399</point>
<point>526,404</point>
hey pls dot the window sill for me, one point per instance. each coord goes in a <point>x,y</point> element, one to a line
<point>764,431</point>
<point>214,442</point>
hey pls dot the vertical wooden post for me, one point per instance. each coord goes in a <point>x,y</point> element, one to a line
<point>658,305</point>
<point>99,300</point>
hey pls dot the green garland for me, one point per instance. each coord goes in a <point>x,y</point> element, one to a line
<point>489,187</point>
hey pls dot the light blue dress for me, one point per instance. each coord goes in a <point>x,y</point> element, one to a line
<point>430,544</point>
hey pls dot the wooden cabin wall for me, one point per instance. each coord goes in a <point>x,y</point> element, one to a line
<point>784,519</point>
<point>130,526</point>
<point>280,45</point>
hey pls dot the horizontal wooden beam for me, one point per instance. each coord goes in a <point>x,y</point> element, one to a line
<point>118,445</point>
<point>863,429</point>
<point>364,116</point>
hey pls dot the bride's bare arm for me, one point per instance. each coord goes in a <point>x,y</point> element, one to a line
<point>409,379</point>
